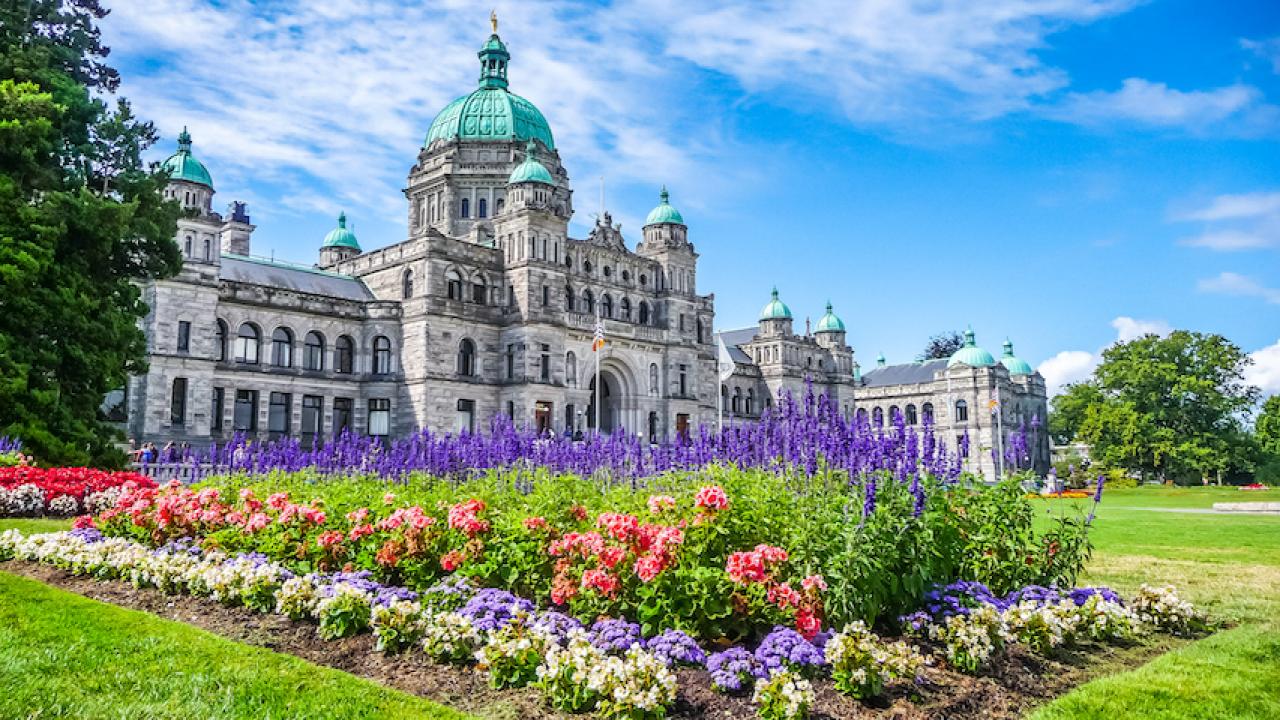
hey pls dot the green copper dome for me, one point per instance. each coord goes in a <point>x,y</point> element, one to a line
<point>1014,364</point>
<point>776,309</point>
<point>530,170</point>
<point>665,213</point>
<point>829,322</point>
<point>341,236</point>
<point>491,112</point>
<point>971,354</point>
<point>182,165</point>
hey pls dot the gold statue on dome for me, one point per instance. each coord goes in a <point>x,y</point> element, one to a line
<point>493,20</point>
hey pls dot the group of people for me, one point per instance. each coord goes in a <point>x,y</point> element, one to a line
<point>147,453</point>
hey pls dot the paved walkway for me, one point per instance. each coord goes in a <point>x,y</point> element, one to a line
<point>1198,511</point>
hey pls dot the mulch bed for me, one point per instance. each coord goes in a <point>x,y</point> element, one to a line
<point>1008,690</point>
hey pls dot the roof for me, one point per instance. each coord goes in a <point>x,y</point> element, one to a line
<point>733,339</point>
<point>182,165</point>
<point>341,236</point>
<point>664,213</point>
<point>775,309</point>
<point>908,374</point>
<point>530,170</point>
<point>287,276</point>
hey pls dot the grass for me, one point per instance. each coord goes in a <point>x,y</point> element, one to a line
<point>65,656</point>
<point>34,525</point>
<point>1227,564</point>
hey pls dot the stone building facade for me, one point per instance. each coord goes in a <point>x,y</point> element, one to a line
<point>488,307</point>
<point>956,393</point>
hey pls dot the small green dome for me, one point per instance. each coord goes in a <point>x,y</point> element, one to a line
<point>341,236</point>
<point>530,170</point>
<point>880,361</point>
<point>776,309</point>
<point>182,165</point>
<point>491,112</point>
<point>665,213</point>
<point>1014,364</point>
<point>971,354</point>
<point>829,322</point>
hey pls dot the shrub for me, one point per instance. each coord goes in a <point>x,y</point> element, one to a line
<point>785,695</point>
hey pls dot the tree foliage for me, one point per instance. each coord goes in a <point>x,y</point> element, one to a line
<point>1267,426</point>
<point>942,346</point>
<point>1166,407</point>
<point>81,218</point>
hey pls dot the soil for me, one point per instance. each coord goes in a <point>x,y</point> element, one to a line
<point>1019,682</point>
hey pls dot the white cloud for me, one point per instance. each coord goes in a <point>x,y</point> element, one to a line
<point>1232,223</point>
<point>1156,104</point>
<point>1229,283</point>
<point>1235,207</point>
<point>1229,240</point>
<point>1268,50</point>
<point>1265,370</point>
<point>1068,366</point>
<point>1071,366</point>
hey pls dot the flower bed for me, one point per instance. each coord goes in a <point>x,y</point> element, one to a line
<point>609,667</point>
<point>720,553</point>
<point>28,491</point>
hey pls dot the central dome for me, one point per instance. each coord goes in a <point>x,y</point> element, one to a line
<point>491,112</point>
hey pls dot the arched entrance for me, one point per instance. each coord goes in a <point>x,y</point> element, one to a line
<point>610,402</point>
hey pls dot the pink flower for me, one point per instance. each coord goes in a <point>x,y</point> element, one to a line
<point>277,501</point>
<point>814,583</point>
<point>784,596</point>
<point>745,568</point>
<point>611,556</point>
<point>388,498</point>
<point>329,538</point>
<point>82,522</point>
<point>660,503</point>
<point>649,567</point>
<point>452,560</point>
<point>360,531</point>
<point>711,497</point>
<point>601,581</point>
<point>356,517</point>
<point>465,517</point>
<point>256,522</point>
<point>535,523</point>
<point>620,525</point>
<point>808,624</point>
<point>771,554</point>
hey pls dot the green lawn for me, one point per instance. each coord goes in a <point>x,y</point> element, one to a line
<point>1227,564</point>
<point>34,525</point>
<point>65,656</point>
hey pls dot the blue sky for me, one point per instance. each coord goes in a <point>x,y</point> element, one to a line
<point>1062,172</point>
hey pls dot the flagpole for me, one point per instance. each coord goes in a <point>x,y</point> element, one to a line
<point>719,404</point>
<point>599,381</point>
<point>999,438</point>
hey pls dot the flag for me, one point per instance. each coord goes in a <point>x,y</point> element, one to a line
<point>992,404</point>
<point>724,363</point>
<point>598,342</point>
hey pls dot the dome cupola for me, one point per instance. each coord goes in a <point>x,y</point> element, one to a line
<point>775,309</point>
<point>182,165</point>
<point>341,237</point>
<point>1014,364</point>
<point>970,354</point>
<point>530,170</point>
<point>664,213</point>
<point>830,322</point>
<point>491,113</point>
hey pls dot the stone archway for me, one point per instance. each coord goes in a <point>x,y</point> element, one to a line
<point>617,398</point>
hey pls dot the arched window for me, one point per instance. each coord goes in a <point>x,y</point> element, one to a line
<point>479,290</point>
<point>644,279</point>
<point>247,344</point>
<point>381,356</point>
<point>344,360</point>
<point>466,207</point>
<point>208,249</point>
<point>724,397</point>
<point>912,419</point>
<point>751,401</point>
<point>625,308</point>
<point>737,400</point>
<point>588,302</point>
<point>699,321</point>
<point>220,337</point>
<point>586,266</point>
<point>962,411</point>
<point>188,248</point>
<point>862,415</point>
<point>644,313</point>
<point>608,271</point>
<point>313,353</point>
<point>569,300</point>
<point>894,413</point>
<point>497,206</point>
<point>282,347</point>
<point>453,285</point>
<point>606,306</point>
<point>926,411</point>
<point>571,369</point>
<point>877,417</point>
<point>482,208</point>
<point>466,358</point>
<point>406,284</point>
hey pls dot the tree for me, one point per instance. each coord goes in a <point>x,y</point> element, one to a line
<point>81,219</point>
<point>942,346</point>
<point>1267,427</point>
<point>1167,407</point>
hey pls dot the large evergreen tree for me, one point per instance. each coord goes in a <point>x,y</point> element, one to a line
<point>1166,407</point>
<point>81,218</point>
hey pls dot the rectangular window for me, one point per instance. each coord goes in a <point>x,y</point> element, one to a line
<point>465,420</point>
<point>341,415</point>
<point>312,418</point>
<point>546,295</point>
<point>570,419</point>
<point>379,417</point>
<point>246,412</point>
<point>545,363</point>
<point>178,404</point>
<point>683,380</point>
<point>278,412</point>
<point>511,296</point>
<point>184,336</point>
<point>511,410</point>
<point>511,362</point>
<point>219,400</point>
<point>681,322</point>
